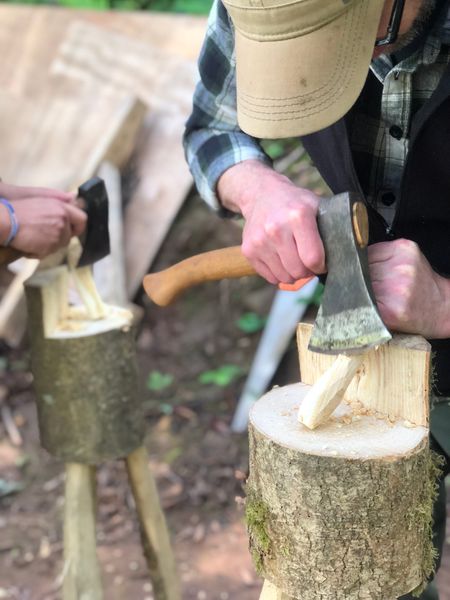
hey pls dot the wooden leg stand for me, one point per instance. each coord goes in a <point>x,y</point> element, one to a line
<point>81,571</point>
<point>343,512</point>
<point>156,542</point>
<point>89,411</point>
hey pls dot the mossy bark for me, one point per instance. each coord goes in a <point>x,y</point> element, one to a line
<point>88,400</point>
<point>333,528</point>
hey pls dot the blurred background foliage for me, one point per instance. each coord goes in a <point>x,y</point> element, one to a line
<point>199,7</point>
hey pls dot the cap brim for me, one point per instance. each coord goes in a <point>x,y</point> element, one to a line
<point>301,85</point>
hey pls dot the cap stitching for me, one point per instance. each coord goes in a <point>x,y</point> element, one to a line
<point>328,87</point>
<point>326,97</point>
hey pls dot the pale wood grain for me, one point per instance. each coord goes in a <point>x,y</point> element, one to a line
<point>393,380</point>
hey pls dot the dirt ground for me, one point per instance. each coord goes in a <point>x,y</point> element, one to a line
<point>199,465</point>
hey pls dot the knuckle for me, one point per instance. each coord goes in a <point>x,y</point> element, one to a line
<point>251,248</point>
<point>298,212</point>
<point>406,245</point>
<point>273,229</point>
<point>313,259</point>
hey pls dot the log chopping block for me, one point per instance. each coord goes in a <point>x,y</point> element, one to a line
<point>344,511</point>
<point>89,411</point>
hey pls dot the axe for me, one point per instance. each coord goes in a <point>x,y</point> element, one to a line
<point>348,322</point>
<point>93,199</point>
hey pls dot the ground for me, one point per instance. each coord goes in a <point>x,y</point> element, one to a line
<point>199,465</point>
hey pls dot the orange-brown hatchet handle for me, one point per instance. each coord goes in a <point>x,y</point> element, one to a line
<point>227,263</point>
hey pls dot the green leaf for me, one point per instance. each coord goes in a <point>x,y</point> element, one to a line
<point>222,376</point>
<point>157,381</point>
<point>251,322</point>
<point>275,149</point>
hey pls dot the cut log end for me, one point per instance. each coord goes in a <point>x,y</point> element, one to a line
<point>352,432</point>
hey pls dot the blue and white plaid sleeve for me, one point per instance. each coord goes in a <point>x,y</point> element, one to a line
<point>213,141</point>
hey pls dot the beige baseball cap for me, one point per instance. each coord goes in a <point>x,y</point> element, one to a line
<point>300,64</point>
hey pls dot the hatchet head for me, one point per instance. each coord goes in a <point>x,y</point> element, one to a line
<point>348,320</point>
<point>95,240</point>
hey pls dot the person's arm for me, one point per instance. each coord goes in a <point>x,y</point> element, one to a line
<point>411,297</point>
<point>46,219</point>
<point>213,141</point>
<point>233,174</point>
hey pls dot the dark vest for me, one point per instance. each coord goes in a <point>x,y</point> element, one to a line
<point>423,213</point>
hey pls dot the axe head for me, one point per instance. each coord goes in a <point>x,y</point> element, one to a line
<point>95,240</point>
<point>348,320</point>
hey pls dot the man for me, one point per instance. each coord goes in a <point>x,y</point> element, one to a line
<point>366,84</point>
<point>38,221</point>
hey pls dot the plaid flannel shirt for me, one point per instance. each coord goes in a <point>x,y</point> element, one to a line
<point>214,142</point>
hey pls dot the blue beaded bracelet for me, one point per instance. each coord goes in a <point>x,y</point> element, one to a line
<point>13,221</point>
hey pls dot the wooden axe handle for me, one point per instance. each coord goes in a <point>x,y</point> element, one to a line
<point>227,263</point>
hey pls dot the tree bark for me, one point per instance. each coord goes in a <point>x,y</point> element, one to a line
<point>85,378</point>
<point>342,512</point>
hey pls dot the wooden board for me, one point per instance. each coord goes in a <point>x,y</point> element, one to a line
<point>166,83</point>
<point>59,142</point>
<point>66,72</point>
<point>69,78</point>
<point>30,37</point>
<point>398,385</point>
<point>163,184</point>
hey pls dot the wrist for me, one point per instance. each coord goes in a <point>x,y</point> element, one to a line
<point>242,185</point>
<point>9,222</point>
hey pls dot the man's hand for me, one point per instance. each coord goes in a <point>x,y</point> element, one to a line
<point>411,297</point>
<point>47,219</point>
<point>280,237</point>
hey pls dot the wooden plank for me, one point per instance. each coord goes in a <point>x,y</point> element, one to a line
<point>12,305</point>
<point>109,273</point>
<point>159,166</point>
<point>163,184</point>
<point>398,385</point>
<point>89,128</point>
<point>31,35</point>
<point>69,75</point>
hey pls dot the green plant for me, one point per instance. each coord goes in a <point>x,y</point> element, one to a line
<point>251,322</point>
<point>222,376</point>
<point>157,381</point>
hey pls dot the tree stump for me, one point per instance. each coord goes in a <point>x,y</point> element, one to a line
<point>89,409</point>
<point>343,512</point>
<point>85,377</point>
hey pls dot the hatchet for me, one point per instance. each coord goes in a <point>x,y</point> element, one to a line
<point>92,197</point>
<point>348,322</point>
